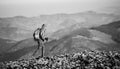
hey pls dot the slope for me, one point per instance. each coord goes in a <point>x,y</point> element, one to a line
<point>75,41</point>
<point>111,29</point>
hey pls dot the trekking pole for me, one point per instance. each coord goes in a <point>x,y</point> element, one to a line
<point>35,51</point>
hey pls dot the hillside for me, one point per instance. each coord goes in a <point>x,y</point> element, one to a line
<point>5,44</point>
<point>112,29</point>
<point>80,60</point>
<point>75,41</point>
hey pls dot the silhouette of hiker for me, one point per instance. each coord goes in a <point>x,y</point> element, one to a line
<point>39,37</point>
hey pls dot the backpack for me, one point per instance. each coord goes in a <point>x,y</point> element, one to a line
<point>38,35</point>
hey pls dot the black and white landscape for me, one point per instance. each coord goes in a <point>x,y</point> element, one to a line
<point>70,32</point>
<point>67,33</point>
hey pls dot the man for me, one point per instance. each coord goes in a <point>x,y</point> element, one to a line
<point>40,38</point>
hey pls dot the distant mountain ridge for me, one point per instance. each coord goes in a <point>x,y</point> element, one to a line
<point>19,27</point>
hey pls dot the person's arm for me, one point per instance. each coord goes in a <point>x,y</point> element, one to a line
<point>44,35</point>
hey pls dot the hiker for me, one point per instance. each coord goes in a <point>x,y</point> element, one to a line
<point>39,37</point>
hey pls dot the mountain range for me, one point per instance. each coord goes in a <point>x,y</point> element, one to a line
<point>67,33</point>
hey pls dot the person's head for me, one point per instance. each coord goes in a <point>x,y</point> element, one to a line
<point>43,26</point>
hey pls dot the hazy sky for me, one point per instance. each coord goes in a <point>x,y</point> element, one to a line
<point>37,7</point>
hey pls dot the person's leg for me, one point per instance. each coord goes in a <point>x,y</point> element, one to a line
<point>38,44</point>
<point>42,50</point>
